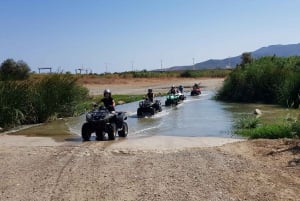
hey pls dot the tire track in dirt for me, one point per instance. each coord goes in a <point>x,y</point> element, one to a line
<point>91,171</point>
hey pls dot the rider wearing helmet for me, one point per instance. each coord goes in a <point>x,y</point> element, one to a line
<point>150,95</point>
<point>196,86</point>
<point>180,88</point>
<point>108,101</point>
<point>172,90</point>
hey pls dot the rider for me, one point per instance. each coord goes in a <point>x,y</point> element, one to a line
<point>196,86</point>
<point>180,88</point>
<point>150,95</point>
<point>108,101</point>
<point>173,90</point>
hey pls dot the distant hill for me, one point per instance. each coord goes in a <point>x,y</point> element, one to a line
<point>278,50</point>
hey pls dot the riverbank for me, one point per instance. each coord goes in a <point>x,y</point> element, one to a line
<point>149,168</point>
<point>141,85</point>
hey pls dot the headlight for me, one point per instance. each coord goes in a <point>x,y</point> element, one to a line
<point>89,116</point>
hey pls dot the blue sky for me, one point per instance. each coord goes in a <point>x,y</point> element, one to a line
<point>121,35</point>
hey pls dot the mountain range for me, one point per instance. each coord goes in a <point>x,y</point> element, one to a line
<point>278,50</point>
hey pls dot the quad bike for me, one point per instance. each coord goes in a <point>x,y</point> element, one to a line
<point>173,99</point>
<point>181,96</point>
<point>101,122</point>
<point>146,107</point>
<point>195,92</point>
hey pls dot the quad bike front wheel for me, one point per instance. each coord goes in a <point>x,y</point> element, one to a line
<point>124,131</point>
<point>159,109</point>
<point>139,112</point>
<point>152,111</point>
<point>86,131</point>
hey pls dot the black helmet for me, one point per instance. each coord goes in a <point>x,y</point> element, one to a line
<point>149,90</point>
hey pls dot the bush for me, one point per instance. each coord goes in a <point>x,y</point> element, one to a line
<point>289,92</point>
<point>11,70</point>
<point>296,128</point>
<point>57,95</point>
<point>268,131</point>
<point>23,102</point>
<point>13,102</point>
<point>269,80</point>
<point>247,122</point>
<point>290,128</point>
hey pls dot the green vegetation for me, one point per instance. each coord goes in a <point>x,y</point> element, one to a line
<point>214,73</point>
<point>273,80</point>
<point>165,74</point>
<point>11,70</point>
<point>268,131</point>
<point>35,101</point>
<point>247,122</point>
<point>250,126</point>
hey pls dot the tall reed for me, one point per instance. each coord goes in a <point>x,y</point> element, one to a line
<point>268,80</point>
<point>36,101</point>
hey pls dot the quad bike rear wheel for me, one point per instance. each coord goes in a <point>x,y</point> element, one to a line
<point>111,130</point>
<point>99,135</point>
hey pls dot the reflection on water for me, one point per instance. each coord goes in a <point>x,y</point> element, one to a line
<point>196,116</point>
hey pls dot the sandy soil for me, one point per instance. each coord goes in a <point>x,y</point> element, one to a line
<point>141,85</point>
<point>149,168</point>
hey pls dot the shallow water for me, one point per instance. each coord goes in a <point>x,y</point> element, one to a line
<point>194,117</point>
<point>199,116</point>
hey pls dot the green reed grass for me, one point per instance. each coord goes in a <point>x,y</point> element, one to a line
<point>250,127</point>
<point>247,122</point>
<point>52,96</point>
<point>273,80</point>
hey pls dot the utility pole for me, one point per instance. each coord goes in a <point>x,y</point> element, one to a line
<point>132,65</point>
<point>105,68</point>
<point>193,63</point>
<point>161,65</point>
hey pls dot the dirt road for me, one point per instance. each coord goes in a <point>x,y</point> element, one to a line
<point>33,168</point>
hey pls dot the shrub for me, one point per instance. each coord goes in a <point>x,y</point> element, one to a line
<point>11,70</point>
<point>13,102</point>
<point>247,122</point>
<point>296,128</point>
<point>268,131</point>
<point>268,79</point>
<point>36,101</point>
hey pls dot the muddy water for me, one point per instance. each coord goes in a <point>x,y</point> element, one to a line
<point>199,116</point>
<point>196,116</point>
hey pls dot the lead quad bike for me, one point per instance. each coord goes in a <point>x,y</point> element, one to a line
<point>146,107</point>
<point>195,92</point>
<point>101,122</point>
